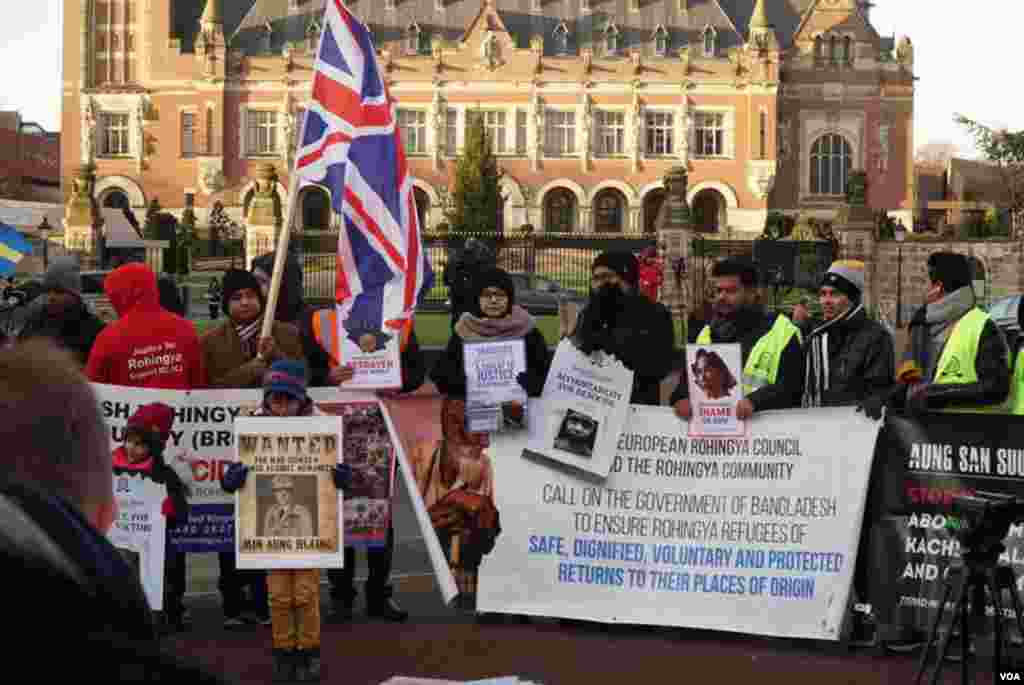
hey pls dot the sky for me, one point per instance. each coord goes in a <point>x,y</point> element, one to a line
<point>964,59</point>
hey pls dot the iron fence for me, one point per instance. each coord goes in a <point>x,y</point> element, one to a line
<point>563,258</point>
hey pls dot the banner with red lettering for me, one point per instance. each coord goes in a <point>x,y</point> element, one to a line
<point>202,445</point>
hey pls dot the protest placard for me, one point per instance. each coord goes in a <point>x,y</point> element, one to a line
<point>495,401</point>
<point>288,513</point>
<point>714,375</point>
<point>139,532</point>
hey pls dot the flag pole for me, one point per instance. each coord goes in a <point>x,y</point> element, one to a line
<point>281,253</point>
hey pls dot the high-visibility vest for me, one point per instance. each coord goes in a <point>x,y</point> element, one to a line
<point>327,334</point>
<point>957,361</point>
<point>1016,399</point>
<point>762,367</point>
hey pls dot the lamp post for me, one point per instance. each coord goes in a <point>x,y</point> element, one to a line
<point>44,229</point>
<point>900,233</point>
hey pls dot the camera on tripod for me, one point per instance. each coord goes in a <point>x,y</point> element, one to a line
<point>983,519</point>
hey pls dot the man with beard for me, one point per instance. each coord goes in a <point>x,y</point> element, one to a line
<point>624,323</point>
<point>773,362</point>
<point>65,319</point>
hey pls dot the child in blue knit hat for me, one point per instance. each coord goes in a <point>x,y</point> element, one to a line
<point>294,593</point>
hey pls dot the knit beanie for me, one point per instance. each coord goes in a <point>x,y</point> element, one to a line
<point>63,274</point>
<point>493,278</point>
<point>846,276</point>
<point>625,264</point>
<point>235,280</point>
<point>153,422</point>
<point>951,268</point>
<point>287,376</point>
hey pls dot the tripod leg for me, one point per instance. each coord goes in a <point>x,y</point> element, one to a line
<point>959,611</point>
<point>997,622</point>
<point>926,652</point>
<point>1008,580</point>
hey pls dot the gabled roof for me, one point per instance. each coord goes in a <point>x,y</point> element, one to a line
<point>856,17</point>
<point>185,15</point>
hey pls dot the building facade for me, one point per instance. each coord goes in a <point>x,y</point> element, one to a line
<point>768,103</point>
<point>29,160</point>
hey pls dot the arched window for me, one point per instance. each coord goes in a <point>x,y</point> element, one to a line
<point>831,161</point>
<point>609,208</point>
<point>660,41</point>
<point>709,42</point>
<point>116,198</point>
<point>611,40</point>
<point>316,209</point>
<point>653,202</point>
<point>412,39</point>
<point>422,206</point>
<point>560,211</point>
<point>562,39</point>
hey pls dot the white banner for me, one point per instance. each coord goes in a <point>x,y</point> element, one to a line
<point>756,535</point>
<point>139,533</point>
<point>582,411</point>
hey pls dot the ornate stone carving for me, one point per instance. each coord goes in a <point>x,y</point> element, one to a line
<point>490,50</point>
<point>675,213</point>
<point>905,53</point>
<point>88,132</point>
<point>761,177</point>
<point>211,175</point>
<point>140,133</point>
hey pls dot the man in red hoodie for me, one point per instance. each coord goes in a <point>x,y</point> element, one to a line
<point>148,346</point>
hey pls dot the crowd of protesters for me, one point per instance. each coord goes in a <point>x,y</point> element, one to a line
<point>957,360</point>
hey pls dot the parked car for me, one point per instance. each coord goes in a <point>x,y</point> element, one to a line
<point>1004,312</point>
<point>539,295</point>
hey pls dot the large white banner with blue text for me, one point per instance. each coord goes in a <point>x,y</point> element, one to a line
<point>755,535</point>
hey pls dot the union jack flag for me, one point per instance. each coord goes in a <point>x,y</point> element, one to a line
<point>350,143</point>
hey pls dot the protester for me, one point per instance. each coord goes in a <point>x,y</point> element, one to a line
<point>849,357</point>
<point>494,316</point>
<point>623,323</point>
<point>65,318</point>
<point>291,307</point>
<point>142,452</point>
<point>294,594</point>
<point>651,273</point>
<point>213,296</point>
<point>461,273</point>
<point>234,354</point>
<point>236,357</point>
<point>773,362</point>
<point>69,585</point>
<point>322,346</point>
<point>958,358</point>
<point>148,346</point>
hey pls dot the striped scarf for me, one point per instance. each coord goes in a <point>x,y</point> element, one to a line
<point>816,380</point>
<point>248,335</point>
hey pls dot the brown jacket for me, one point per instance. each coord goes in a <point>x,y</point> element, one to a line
<point>226,365</point>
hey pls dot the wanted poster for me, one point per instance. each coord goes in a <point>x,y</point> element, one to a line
<point>714,374</point>
<point>288,514</point>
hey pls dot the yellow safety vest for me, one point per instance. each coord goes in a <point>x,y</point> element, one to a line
<point>762,367</point>
<point>957,362</point>
<point>1016,399</point>
<point>328,334</point>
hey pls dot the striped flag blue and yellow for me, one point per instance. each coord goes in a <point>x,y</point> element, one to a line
<point>13,247</point>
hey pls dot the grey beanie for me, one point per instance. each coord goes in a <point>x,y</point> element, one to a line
<point>846,276</point>
<point>63,274</point>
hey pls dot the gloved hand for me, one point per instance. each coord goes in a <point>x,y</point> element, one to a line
<point>872,407</point>
<point>342,474</point>
<point>234,477</point>
<point>533,385</point>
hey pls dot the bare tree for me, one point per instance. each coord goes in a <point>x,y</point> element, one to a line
<point>1005,150</point>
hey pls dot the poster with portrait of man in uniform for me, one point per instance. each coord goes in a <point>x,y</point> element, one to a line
<point>714,373</point>
<point>288,513</point>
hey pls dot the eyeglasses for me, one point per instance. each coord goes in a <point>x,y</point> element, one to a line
<point>494,295</point>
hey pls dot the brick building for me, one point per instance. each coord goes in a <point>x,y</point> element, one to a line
<point>769,103</point>
<point>29,160</point>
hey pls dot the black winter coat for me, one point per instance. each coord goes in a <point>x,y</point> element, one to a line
<point>76,332</point>
<point>449,372</point>
<point>641,337</point>
<point>861,360</point>
<point>788,390</point>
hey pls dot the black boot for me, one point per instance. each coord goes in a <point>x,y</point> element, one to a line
<point>383,606</point>
<point>308,670</point>
<point>284,666</point>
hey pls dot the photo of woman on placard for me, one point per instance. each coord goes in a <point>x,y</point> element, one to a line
<point>712,375</point>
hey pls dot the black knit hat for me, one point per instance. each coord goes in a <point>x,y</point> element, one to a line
<point>235,280</point>
<point>952,269</point>
<point>625,264</point>
<point>493,278</point>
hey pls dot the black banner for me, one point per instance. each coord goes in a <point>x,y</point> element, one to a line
<point>920,464</point>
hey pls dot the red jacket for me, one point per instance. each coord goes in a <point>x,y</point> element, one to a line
<point>148,346</point>
<point>650,278</point>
